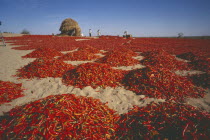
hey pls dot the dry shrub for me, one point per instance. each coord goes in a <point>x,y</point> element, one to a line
<point>68,26</point>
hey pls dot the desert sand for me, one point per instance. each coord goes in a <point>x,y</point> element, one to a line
<point>119,99</point>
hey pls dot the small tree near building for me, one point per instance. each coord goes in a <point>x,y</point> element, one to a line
<point>180,35</point>
<point>25,32</point>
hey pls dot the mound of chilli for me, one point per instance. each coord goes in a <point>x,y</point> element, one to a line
<point>94,75</point>
<point>43,52</point>
<point>161,83</point>
<point>44,67</point>
<point>164,121</point>
<point>60,117</point>
<point>162,59</point>
<point>9,91</point>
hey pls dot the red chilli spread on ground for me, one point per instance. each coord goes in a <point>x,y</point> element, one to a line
<point>201,80</point>
<point>9,91</point>
<point>117,58</point>
<point>79,56</point>
<point>198,62</point>
<point>162,59</point>
<point>43,52</point>
<point>161,83</point>
<point>60,117</point>
<point>201,64</point>
<point>165,121</point>
<point>123,50</point>
<point>44,67</point>
<point>94,75</point>
<point>189,56</point>
<point>89,49</point>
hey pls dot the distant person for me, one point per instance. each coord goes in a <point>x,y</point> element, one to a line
<point>98,32</point>
<point>73,32</point>
<point>126,33</point>
<point>90,32</point>
<point>82,34</point>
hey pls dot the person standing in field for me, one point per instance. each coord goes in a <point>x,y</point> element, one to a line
<point>90,32</point>
<point>98,32</point>
<point>73,32</point>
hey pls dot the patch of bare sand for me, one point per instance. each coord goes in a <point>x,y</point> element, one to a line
<point>118,98</point>
<point>11,35</point>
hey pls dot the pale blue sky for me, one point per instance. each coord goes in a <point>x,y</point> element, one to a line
<point>112,17</point>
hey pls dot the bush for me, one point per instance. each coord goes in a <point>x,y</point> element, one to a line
<point>25,32</point>
<point>180,35</point>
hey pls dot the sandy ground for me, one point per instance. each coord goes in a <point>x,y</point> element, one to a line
<point>11,35</point>
<point>118,99</point>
